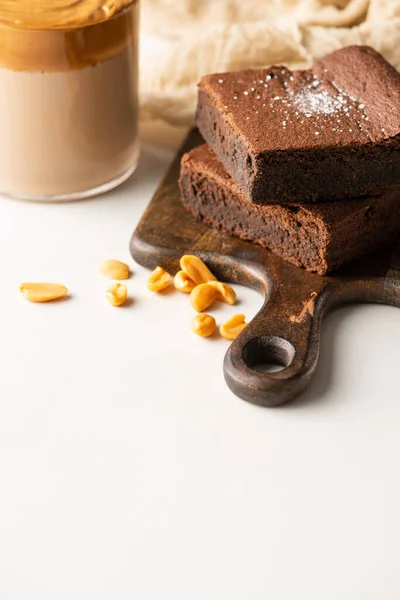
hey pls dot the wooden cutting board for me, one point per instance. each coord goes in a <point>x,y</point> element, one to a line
<point>287,329</point>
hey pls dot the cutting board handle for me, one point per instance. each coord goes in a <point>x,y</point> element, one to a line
<point>285,332</point>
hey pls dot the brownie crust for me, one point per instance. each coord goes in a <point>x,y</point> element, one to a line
<point>319,237</point>
<point>328,133</point>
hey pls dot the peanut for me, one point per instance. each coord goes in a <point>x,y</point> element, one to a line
<point>231,329</point>
<point>183,283</point>
<point>203,325</point>
<point>114,269</point>
<point>195,268</point>
<point>224,292</point>
<point>202,296</point>
<point>117,294</point>
<point>158,280</point>
<point>42,292</point>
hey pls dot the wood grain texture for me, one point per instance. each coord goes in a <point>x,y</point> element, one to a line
<point>287,329</point>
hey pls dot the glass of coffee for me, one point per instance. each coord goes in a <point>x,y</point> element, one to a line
<point>69,97</point>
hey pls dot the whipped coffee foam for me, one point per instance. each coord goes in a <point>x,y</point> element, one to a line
<point>58,14</point>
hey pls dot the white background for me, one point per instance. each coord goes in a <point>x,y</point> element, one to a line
<point>128,470</point>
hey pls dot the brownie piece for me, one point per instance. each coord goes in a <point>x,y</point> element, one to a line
<point>329,133</point>
<point>319,237</point>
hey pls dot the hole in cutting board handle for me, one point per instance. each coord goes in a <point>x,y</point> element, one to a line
<point>268,354</point>
<point>268,368</point>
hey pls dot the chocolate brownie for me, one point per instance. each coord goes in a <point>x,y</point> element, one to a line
<point>319,237</point>
<point>328,133</point>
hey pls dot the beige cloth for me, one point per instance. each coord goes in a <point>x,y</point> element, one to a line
<point>206,36</point>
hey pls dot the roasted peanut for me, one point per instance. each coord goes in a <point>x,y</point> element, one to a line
<point>117,294</point>
<point>203,325</point>
<point>183,283</point>
<point>114,269</point>
<point>202,296</point>
<point>231,329</point>
<point>224,292</point>
<point>42,292</point>
<point>158,280</point>
<point>195,268</point>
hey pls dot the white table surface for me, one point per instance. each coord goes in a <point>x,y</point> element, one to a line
<point>128,470</point>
